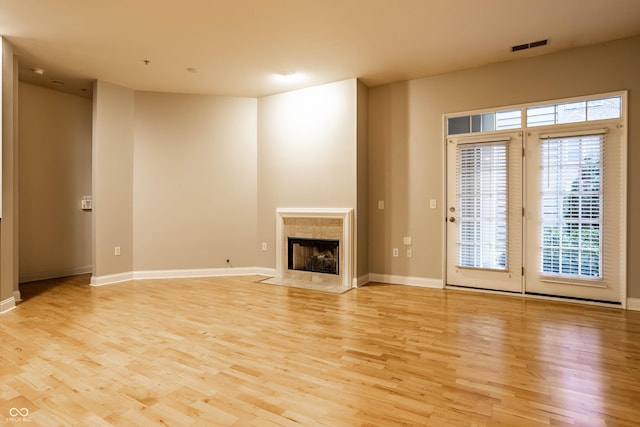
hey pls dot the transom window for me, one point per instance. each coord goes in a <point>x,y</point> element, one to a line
<point>575,111</point>
<point>485,122</point>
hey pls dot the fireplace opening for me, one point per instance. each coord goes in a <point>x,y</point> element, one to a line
<point>314,255</point>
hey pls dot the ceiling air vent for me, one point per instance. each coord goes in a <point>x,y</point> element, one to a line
<point>530,45</point>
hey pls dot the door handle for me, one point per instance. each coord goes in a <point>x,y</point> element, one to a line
<point>452,219</point>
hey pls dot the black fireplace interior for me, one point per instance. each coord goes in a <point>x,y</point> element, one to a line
<point>315,255</point>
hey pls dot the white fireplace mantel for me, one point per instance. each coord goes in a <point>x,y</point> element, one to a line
<point>345,214</point>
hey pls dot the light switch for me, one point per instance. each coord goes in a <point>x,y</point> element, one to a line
<point>380,204</point>
<point>87,203</point>
<point>406,240</point>
<point>432,203</point>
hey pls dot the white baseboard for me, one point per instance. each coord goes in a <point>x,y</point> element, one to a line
<point>180,274</point>
<point>361,281</point>
<point>422,282</point>
<point>53,274</point>
<point>633,304</point>
<point>202,272</point>
<point>110,279</point>
<point>7,305</point>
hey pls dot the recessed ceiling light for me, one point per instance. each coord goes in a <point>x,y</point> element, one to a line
<point>38,71</point>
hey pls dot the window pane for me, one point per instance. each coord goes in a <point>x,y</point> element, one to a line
<point>476,123</point>
<point>482,201</point>
<point>571,187</point>
<point>511,119</point>
<point>488,122</point>
<point>571,112</point>
<point>458,125</point>
<point>541,116</point>
<point>607,108</point>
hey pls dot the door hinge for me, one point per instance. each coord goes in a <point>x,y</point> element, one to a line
<point>522,211</point>
<point>522,151</point>
<point>523,271</point>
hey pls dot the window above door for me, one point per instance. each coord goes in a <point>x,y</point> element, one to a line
<point>593,108</point>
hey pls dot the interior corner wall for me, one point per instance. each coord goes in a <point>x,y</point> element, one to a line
<point>195,183</point>
<point>406,142</point>
<point>54,175</point>
<point>307,149</point>
<point>9,162</point>
<point>112,186</point>
<point>362,210</point>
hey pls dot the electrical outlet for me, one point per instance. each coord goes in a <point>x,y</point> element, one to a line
<point>116,251</point>
<point>380,204</point>
<point>395,252</point>
<point>432,203</point>
<point>264,246</point>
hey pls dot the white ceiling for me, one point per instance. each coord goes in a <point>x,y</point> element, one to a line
<point>238,45</point>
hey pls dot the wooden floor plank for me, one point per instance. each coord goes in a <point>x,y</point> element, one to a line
<point>233,352</point>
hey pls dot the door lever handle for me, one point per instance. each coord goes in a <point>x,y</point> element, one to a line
<point>452,219</point>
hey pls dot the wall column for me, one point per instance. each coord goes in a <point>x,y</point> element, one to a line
<point>9,291</point>
<point>112,183</point>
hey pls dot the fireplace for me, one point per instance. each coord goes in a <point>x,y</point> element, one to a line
<point>314,255</point>
<point>323,241</point>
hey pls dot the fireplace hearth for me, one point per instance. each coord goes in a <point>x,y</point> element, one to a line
<point>314,255</point>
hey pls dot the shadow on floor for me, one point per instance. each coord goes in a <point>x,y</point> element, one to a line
<point>29,290</point>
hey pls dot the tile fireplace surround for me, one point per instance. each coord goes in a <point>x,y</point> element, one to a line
<point>315,223</point>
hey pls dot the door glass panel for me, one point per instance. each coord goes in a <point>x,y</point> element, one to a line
<point>482,202</point>
<point>571,190</point>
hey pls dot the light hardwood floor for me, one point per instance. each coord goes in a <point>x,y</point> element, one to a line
<point>229,351</point>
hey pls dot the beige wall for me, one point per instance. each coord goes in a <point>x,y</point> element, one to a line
<point>113,130</point>
<point>55,172</point>
<point>406,147</point>
<point>195,184</point>
<point>194,156</point>
<point>362,209</point>
<point>307,142</point>
<point>9,222</point>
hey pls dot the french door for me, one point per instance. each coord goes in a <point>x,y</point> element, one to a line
<point>549,220</point>
<point>484,211</point>
<point>575,213</point>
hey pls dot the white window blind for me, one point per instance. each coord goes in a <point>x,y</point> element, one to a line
<point>572,205</point>
<point>483,205</point>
